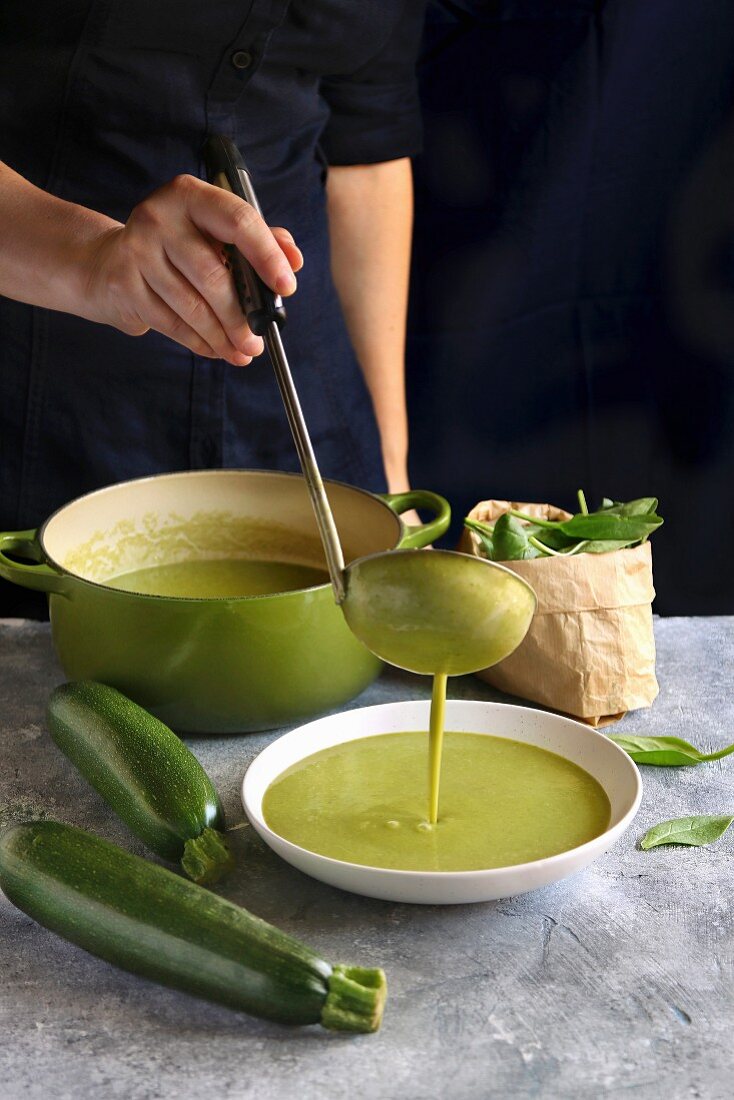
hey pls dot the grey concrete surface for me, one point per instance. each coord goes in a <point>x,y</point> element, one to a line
<point>617,982</point>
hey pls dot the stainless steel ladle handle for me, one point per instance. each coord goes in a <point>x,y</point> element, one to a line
<point>265,314</point>
<point>307,458</point>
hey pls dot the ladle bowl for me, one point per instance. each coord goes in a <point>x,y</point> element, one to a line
<point>431,611</point>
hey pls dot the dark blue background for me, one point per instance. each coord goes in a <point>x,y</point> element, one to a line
<point>572,316</point>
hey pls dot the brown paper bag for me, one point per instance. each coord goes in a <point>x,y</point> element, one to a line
<point>590,650</point>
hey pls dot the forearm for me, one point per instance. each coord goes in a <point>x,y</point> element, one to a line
<point>43,239</point>
<point>370,221</point>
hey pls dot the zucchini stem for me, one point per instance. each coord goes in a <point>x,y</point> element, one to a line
<point>355,1000</point>
<point>207,857</point>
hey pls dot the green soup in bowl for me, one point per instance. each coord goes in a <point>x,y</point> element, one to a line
<point>213,662</point>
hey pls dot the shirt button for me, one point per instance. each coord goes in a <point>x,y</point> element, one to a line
<point>241,59</point>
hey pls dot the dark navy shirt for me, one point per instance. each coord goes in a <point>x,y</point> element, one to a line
<point>101,101</point>
<point>573,322</point>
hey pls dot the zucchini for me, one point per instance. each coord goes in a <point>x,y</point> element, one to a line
<point>148,920</point>
<point>145,773</point>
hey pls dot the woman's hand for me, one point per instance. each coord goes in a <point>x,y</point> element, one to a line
<point>164,269</point>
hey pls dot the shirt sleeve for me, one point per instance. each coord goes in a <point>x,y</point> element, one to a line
<point>374,113</point>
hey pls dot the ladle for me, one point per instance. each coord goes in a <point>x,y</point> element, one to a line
<point>438,612</point>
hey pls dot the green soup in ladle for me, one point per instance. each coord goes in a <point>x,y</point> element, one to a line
<point>437,611</point>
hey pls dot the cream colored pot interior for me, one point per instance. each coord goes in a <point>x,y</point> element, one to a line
<point>209,514</point>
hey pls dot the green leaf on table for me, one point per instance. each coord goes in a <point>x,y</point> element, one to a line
<point>666,751</point>
<point>698,830</point>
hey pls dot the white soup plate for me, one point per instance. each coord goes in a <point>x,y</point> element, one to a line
<point>592,751</point>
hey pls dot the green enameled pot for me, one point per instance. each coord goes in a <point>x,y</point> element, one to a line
<point>210,665</point>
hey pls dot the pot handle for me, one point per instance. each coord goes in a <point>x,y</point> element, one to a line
<point>41,575</point>
<point>419,536</point>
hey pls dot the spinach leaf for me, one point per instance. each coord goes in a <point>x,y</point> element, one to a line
<point>609,525</point>
<point>605,546</point>
<point>507,540</point>
<point>599,525</point>
<point>553,539</point>
<point>484,533</point>
<point>666,751</point>
<point>511,540</point>
<point>644,506</point>
<point>698,830</point>
<point>517,536</point>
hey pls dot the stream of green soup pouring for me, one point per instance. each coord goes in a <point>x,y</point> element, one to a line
<point>503,802</point>
<point>435,744</point>
<point>219,578</point>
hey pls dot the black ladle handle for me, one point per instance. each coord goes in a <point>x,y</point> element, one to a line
<point>226,168</point>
